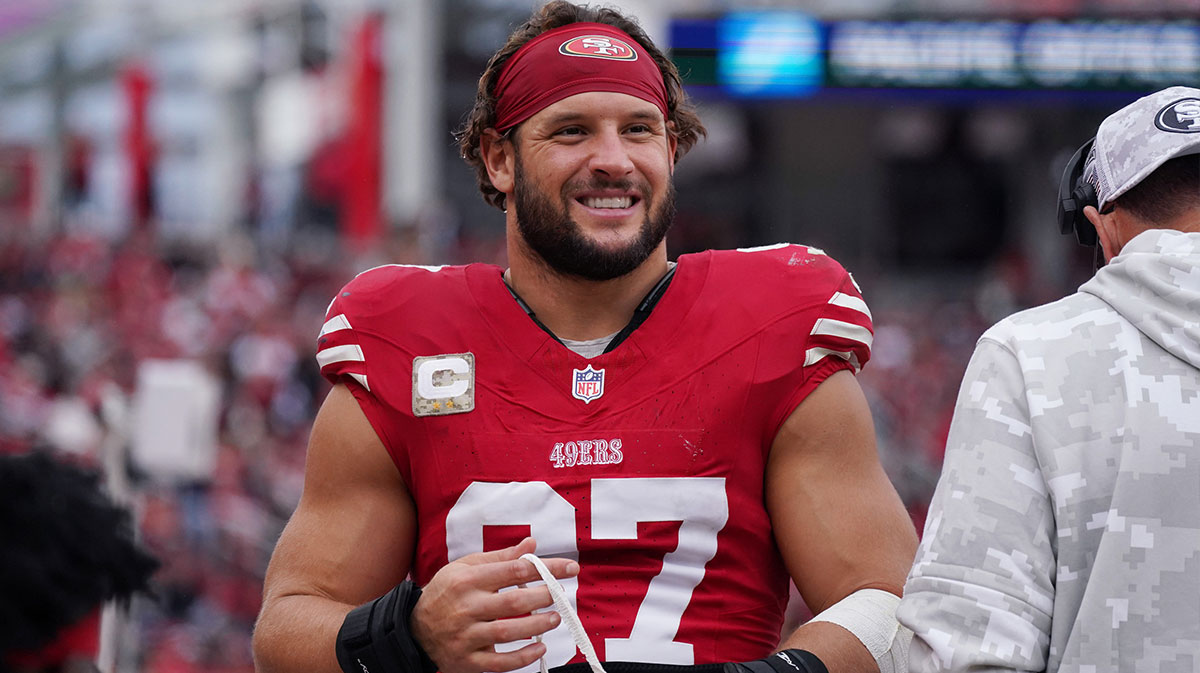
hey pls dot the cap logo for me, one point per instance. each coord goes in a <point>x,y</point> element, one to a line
<point>1182,116</point>
<point>598,46</point>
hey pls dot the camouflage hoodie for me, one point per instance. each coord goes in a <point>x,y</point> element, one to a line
<point>1064,534</point>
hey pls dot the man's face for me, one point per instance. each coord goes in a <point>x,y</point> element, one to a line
<point>592,184</point>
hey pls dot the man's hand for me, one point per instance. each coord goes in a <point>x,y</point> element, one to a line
<point>462,614</point>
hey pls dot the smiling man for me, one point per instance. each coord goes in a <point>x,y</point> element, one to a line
<point>604,224</point>
<point>673,448</point>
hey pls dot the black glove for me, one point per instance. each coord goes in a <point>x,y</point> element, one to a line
<point>787,661</point>
<point>375,636</point>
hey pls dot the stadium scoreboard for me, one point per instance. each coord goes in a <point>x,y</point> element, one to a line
<point>790,54</point>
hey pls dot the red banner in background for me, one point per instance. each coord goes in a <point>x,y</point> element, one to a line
<point>139,147</point>
<point>18,180</point>
<point>362,196</point>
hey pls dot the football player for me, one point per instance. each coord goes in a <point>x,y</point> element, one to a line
<point>673,441</point>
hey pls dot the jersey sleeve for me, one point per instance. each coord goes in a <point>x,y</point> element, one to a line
<point>842,330</point>
<point>339,345</point>
<point>338,353</point>
<point>817,324</point>
<point>355,346</point>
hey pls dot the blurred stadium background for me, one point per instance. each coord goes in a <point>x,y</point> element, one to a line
<point>184,185</point>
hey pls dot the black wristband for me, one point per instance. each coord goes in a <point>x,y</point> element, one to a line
<point>787,661</point>
<point>375,636</point>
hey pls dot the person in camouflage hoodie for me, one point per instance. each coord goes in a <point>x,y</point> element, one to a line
<point>1064,534</point>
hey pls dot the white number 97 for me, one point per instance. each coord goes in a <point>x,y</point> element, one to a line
<point>618,505</point>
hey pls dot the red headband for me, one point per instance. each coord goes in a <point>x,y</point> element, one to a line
<point>575,58</point>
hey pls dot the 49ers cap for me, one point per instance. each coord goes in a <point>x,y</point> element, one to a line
<point>1135,140</point>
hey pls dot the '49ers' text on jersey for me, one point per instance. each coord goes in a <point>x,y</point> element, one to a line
<point>645,463</point>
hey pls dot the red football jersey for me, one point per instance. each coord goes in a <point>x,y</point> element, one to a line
<point>645,463</point>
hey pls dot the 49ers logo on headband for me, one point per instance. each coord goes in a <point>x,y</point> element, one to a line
<point>598,46</point>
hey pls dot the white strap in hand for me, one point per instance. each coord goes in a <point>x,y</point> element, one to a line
<point>564,609</point>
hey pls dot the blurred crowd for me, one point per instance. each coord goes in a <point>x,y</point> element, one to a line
<point>81,316</point>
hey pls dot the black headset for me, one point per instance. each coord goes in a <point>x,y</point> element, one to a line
<point>1074,193</point>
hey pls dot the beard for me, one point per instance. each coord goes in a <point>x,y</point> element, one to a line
<point>549,230</point>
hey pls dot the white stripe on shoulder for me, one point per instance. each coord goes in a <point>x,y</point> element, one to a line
<point>346,353</point>
<point>432,269</point>
<point>764,248</point>
<point>335,324</point>
<point>813,355</point>
<point>842,330</point>
<point>854,282</point>
<point>851,302</point>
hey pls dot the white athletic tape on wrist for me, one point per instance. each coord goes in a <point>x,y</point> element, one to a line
<point>563,607</point>
<point>895,660</point>
<point>870,614</point>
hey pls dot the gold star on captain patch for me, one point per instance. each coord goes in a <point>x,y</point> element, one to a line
<point>449,403</point>
<point>437,405</point>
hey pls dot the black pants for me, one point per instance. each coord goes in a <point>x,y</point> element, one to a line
<point>637,667</point>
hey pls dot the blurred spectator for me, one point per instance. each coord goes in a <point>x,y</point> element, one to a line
<point>67,550</point>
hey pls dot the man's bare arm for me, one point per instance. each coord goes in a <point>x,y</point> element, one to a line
<point>837,518</point>
<point>350,540</point>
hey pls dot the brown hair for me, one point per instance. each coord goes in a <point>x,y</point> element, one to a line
<point>681,113</point>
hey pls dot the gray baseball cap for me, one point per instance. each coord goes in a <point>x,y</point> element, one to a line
<point>1135,140</point>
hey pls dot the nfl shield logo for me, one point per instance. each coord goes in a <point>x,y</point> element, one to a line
<point>588,384</point>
